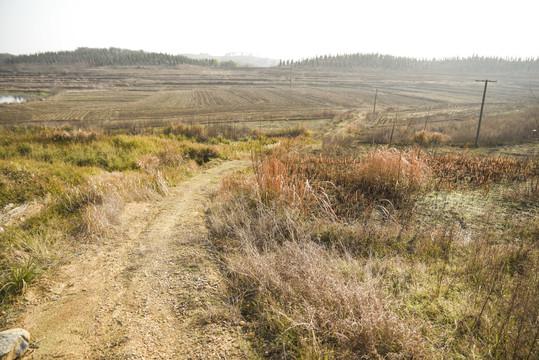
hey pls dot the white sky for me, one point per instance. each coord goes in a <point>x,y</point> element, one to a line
<point>281,29</point>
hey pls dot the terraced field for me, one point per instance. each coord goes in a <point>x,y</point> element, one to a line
<point>119,97</point>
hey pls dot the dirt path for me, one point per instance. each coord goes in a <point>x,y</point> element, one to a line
<point>150,292</point>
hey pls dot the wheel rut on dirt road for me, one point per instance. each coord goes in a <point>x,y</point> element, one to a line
<point>149,292</point>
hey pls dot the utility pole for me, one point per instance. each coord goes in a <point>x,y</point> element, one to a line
<point>291,75</point>
<point>482,106</point>
<point>374,107</point>
<point>427,119</point>
<point>394,124</point>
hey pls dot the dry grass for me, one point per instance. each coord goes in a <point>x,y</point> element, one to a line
<point>301,295</point>
<point>305,300</point>
<point>430,138</point>
<point>102,198</point>
<point>388,282</point>
<point>70,185</point>
<point>512,125</point>
<point>66,134</point>
<point>459,169</point>
<point>352,184</point>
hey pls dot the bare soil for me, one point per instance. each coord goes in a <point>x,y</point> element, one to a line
<point>132,97</point>
<point>151,291</point>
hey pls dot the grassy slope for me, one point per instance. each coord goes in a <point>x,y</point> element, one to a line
<point>396,253</point>
<point>63,186</point>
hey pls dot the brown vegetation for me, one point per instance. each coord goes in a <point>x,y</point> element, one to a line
<point>390,281</point>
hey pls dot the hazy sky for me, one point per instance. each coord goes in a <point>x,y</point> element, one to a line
<point>281,29</point>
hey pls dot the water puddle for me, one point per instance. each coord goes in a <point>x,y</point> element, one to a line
<point>11,99</point>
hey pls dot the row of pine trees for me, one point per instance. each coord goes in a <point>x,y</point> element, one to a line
<point>111,57</point>
<point>390,62</point>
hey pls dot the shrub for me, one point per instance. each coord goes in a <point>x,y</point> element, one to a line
<point>201,153</point>
<point>190,131</point>
<point>289,132</point>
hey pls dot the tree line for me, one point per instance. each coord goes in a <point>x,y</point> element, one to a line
<point>112,56</point>
<point>390,62</point>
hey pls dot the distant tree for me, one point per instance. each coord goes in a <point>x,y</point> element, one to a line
<point>389,62</point>
<point>110,56</point>
<point>229,64</point>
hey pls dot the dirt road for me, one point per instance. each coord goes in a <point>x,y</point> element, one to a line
<point>149,292</point>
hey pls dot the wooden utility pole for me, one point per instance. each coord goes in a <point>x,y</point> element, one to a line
<point>482,106</point>
<point>427,119</point>
<point>394,124</point>
<point>291,75</point>
<point>374,107</point>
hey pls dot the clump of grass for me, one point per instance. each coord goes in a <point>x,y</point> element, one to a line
<point>288,132</point>
<point>16,279</point>
<point>277,180</point>
<point>189,131</point>
<point>66,135</point>
<point>424,137</point>
<point>393,174</point>
<point>480,170</point>
<point>349,184</point>
<point>201,153</point>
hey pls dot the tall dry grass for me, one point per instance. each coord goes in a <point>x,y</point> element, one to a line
<point>387,282</point>
<point>305,300</point>
<point>424,138</point>
<point>519,126</point>
<point>461,169</point>
<point>346,184</point>
<point>234,131</point>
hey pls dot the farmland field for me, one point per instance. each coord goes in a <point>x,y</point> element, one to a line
<point>138,97</point>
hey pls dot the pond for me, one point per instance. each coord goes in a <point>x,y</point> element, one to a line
<point>8,99</point>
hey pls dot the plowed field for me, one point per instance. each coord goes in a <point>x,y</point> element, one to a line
<point>140,97</point>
